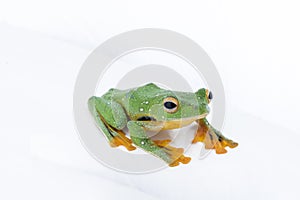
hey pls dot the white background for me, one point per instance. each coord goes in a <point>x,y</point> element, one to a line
<point>254,44</point>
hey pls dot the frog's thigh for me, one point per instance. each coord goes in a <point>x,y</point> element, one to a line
<point>98,119</point>
<point>112,112</point>
<point>110,118</point>
<point>170,155</point>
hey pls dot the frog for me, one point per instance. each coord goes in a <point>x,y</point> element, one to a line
<point>153,108</point>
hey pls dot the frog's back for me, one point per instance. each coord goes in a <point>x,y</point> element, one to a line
<point>149,89</point>
<point>132,97</point>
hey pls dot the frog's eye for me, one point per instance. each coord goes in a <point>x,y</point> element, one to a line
<point>170,104</point>
<point>209,96</point>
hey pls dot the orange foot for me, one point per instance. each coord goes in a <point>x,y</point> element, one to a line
<point>212,139</point>
<point>176,154</point>
<point>122,140</point>
<point>162,143</point>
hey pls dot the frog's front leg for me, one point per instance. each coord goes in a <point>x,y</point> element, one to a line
<point>171,155</point>
<point>212,138</point>
<point>111,119</point>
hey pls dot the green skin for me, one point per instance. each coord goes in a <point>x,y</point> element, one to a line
<point>143,108</point>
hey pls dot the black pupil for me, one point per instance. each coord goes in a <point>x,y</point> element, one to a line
<point>170,105</point>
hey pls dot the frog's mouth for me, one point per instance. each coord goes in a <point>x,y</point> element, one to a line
<point>173,123</point>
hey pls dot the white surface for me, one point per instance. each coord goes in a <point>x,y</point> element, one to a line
<point>129,62</point>
<point>255,46</point>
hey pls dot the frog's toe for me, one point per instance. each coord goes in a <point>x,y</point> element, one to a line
<point>182,159</point>
<point>176,156</point>
<point>210,143</point>
<point>162,143</point>
<point>122,140</point>
<point>229,143</point>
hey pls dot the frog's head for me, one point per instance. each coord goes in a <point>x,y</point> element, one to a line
<point>181,106</point>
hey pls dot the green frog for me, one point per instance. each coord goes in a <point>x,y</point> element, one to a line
<point>151,108</point>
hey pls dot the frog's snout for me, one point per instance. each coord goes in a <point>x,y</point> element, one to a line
<point>207,109</point>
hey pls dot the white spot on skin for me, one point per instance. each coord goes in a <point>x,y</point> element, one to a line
<point>141,109</point>
<point>145,102</point>
<point>142,142</point>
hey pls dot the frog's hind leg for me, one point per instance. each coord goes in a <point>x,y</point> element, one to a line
<point>111,129</point>
<point>212,138</point>
<point>161,149</point>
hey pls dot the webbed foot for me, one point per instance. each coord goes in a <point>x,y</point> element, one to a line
<point>182,159</point>
<point>121,140</point>
<point>176,154</point>
<point>212,138</point>
<point>162,143</point>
